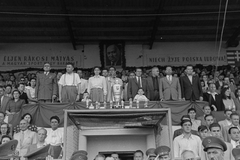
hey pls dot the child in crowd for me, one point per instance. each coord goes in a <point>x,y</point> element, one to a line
<point>86,97</point>
<point>140,96</point>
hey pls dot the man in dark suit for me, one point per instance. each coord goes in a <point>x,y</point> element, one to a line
<point>21,89</point>
<point>135,83</point>
<point>170,88</point>
<point>46,86</point>
<point>153,85</point>
<point>190,86</point>
<point>214,99</point>
<point>3,100</point>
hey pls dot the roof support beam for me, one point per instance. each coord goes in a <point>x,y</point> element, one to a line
<point>156,22</point>
<point>234,36</point>
<point>70,30</point>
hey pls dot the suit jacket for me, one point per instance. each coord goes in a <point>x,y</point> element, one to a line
<point>170,90</point>
<point>223,123</point>
<point>191,89</point>
<point>225,134</point>
<point>237,103</point>
<point>32,148</point>
<point>46,86</point>
<point>217,102</point>
<point>30,138</point>
<point>133,87</point>
<point>151,88</point>
<point>4,103</point>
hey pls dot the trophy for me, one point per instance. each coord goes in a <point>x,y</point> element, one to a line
<point>117,94</point>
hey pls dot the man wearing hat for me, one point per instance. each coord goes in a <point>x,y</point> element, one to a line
<point>187,141</point>
<point>55,138</point>
<point>163,153</point>
<point>214,148</point>
<point>150,154</point>
<point>236,153</point>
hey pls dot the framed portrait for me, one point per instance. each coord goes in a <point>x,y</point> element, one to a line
<point>113,54</point>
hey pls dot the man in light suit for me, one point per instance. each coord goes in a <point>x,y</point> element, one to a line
<point>46,86</point>
<point>170,88</point>
<point>41,136</point>
<point>227,121</point>
<point>135,83</point>
<point>235,123</point>
<point>154,85</point>
<point>190,86</point>
<point>3,100</point>
<point>25,138</point>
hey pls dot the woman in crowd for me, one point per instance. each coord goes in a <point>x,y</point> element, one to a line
<point>97,86</point>
<point>5,139</point>
<point>5,130</point>
<point>15,105</point>
<point>237,99</point>
<point>204,89</point>
<point>124,77</point>
<point>227,100</point>
<point>28,118</point>
<point>30,90</point>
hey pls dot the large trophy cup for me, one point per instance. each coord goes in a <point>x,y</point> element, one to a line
<point>117,94</point>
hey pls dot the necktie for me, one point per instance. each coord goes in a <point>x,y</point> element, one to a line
<point>139,82</point>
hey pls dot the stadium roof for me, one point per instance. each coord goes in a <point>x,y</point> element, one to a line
<point>132,21</point>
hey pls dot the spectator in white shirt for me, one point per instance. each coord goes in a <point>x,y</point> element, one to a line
<point>195,123</point>
<point>69,85</point>
<point>187,141</point>
<point>55,138</point>
<point>140,96</point>
<point>235,136</point>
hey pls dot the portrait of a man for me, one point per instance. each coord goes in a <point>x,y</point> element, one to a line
<point>113,54</point>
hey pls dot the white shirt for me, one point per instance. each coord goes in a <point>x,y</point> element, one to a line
<point>139,80</point>
<point>69,79</point>
<point>192,143</point>
<point>39,145</point>
<point>84,85</point>
<point>140,98</point>
<point>97,82</point>
<point>213,94</point>
<point>190,78</point>
<point>169,78</point>
<point>55,137</point>
<point>234,143</point>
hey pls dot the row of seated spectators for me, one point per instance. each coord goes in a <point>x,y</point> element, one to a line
<point>30,137</point>
<point>194,130</point>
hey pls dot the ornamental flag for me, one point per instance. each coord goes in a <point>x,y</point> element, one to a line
<point>233,57</point>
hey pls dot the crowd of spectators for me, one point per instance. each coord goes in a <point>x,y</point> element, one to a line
<point>220,88</point>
